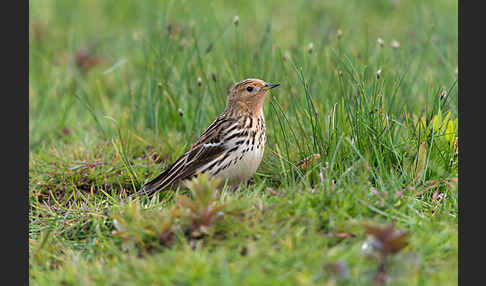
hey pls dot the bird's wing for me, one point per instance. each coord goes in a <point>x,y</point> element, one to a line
<point>207,148</point>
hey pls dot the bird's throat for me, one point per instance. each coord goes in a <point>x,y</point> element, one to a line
<point>253,107</point>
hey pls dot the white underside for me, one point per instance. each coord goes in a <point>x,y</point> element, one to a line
<point>238,171</point>
<point>243,169</point>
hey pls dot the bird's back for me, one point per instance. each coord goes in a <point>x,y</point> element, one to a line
<point>231,148</point>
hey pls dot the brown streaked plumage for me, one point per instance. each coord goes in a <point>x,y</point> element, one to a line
<point>231,148</point>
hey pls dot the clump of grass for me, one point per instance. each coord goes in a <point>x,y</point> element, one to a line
<point>67,173</point>
<point>192,218</point>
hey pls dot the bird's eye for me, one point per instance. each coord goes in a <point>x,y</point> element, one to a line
<point>250,88</point>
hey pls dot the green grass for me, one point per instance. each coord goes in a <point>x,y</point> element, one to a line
<point>386,143</point>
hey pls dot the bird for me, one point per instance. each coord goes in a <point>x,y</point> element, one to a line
<point>230,148</point>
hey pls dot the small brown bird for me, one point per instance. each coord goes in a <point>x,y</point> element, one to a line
<point>231,148</point>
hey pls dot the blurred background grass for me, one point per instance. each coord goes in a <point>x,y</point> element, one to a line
<point>136,52</point>
<point>117,90</point>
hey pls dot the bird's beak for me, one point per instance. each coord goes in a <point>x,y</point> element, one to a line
<point>270,85</point>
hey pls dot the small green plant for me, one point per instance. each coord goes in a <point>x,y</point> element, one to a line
<point>441,128</point>
<point>203,209</point>
<point>190,216</point>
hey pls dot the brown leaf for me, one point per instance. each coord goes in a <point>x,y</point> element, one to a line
<point>307,160</point>
<point>392,239</point>
<point>396,243</point>
<point>85,59</point>
<point>156,157</point>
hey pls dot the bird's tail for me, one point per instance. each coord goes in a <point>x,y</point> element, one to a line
<point>145,192</point>
<point>162,181</point>
<point>154,186</point>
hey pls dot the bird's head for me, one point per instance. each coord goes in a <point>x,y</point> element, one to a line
<point>247,96</point>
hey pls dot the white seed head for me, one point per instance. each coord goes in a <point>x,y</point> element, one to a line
<point>381,42</point>
<point>286,56</point>
<point>443,94</point>
<point>310,48</point>
<point>199,81</point>
<point>339,33</point>
<point>378,73</point>
<point>236,20</point>
<point>395,44</point>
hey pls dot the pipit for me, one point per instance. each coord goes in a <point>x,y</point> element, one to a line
<point>231,148</point>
